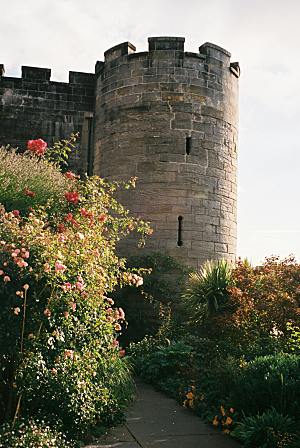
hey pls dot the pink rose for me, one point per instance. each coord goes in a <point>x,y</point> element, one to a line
<point>59,267</point>
<point>79,286</point>
<point>121,314</point>
<point>66,286</point>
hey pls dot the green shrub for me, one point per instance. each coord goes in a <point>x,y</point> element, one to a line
<point>167,366</point>
<point>92,390</point>
<point>268,430</point>
<point>27,181</point>
<point>32,434</point>
<point>268,381</point>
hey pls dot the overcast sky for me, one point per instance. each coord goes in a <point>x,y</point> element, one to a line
<point>263,35</point>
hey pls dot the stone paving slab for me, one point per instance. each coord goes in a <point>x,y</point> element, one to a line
<point>156,421</point>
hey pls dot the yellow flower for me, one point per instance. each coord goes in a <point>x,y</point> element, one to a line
<point>215,421</point>
<point>222,411</point>
<point>190,395</point>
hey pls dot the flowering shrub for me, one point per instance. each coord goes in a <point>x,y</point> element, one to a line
<point>32,434</point>
<point>224,420</point>
<point>265,305</point>
<point>238,346</point>
<point>252,310</point>
<point>27,181</point>
<point>59,353</point>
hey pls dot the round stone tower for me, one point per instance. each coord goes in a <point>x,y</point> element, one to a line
<point>170,118</point>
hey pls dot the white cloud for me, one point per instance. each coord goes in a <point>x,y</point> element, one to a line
<point>263,35</point>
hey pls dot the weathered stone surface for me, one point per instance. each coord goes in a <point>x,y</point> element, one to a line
<point>35,107</point>
<point>166,116</point>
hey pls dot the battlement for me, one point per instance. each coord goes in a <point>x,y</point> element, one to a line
<point>166,43</point>
<point>166,116</point>
<point>39,74</point>
<point>162,48</point>
<point>33,105</point>
<point>159,48</point>
<point>169,117</point>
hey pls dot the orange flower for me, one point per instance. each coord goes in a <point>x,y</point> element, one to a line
<point>215,421</point>
<point>228,421</point>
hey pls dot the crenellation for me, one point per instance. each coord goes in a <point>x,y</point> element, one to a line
<point>33,106</point>
<point>167,116</point>
<point>36,73</point>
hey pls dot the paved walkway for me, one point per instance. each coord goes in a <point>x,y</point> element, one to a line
<point>156,421</point>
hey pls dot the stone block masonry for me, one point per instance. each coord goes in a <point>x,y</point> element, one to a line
<point>33,106</point>
<point>166,116</point>
<point>170,118</point>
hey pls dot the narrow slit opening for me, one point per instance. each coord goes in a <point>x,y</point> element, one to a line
<point>179,237</point>
<point>188,145</point>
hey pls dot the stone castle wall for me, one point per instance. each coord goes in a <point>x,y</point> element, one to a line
<point>170,118</point>
<point>166,116</point>
<point>33,106</point>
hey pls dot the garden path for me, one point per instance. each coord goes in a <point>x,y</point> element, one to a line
<point>156,421</point>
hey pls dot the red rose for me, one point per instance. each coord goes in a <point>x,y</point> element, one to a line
<point>61,228</point>
<point>69,218</point>
<point>72,196</point>
<point>70,175</point>
<point>37,146</point>
<point>29,193</point>
<point>102,217</point>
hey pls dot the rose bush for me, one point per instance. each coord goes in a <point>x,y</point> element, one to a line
<point>59,353</point>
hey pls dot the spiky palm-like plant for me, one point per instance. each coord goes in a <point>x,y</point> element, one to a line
<point>207,290</point>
